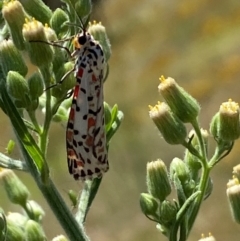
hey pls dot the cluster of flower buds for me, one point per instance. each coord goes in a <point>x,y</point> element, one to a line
<point>154,203</point>
<point>21,226</point>
<point>186,176</point>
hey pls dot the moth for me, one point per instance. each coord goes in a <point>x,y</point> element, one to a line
<point>85,135</point>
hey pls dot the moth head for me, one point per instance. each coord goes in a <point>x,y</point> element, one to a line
<point>81,39</point>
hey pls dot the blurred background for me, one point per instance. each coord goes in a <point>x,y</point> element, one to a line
<point>198,44</point>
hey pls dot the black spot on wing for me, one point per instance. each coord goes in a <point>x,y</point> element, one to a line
<point>76,132</point>
<point>83,65</point>
<point>86,149</point>
<point>92,51</point>
<point>90,98</point>
<point>97,131</point>
<point>70,125</point>
<point>75,143</point>
<point>83,90</point>
<point>97,170</point>
<point>95,112</point>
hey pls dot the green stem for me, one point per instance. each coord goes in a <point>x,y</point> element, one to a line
<point>74,231</point>
<point>181,214</point>
<point>34,121</point>
<point>87,196</point>
<point>48,115</point>
<point>202,188</point>
<point>183,230</point>
<point>204,177</point>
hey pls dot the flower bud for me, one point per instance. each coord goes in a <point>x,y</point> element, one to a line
<point>50,34</point>
<point>58,62</point>
<point>66,75</point>
<point>13,14</point>
<point>58,22</point>
<point>168,212</point>
<point>214,126</point>
<point>65,81</point>
<point>67,103</point>
<point>37,9</point>
<point>34,231</point>
<point>11,58</point>
<point>35,85</point>
<point>99,33</point>
<point>148,204</point>
<point>179,168</point>
<point>189,188</point>
<point>40,53</point>
<point>229,128</point>
<point>17,192</point>
<point>181,103</point>
<point>194,139</point>
<point>15,232</point>
<point>209,238</point>
<point>18,89</point>
<point>191,160</point>
<point>35,211</point>
<point>17,218</point>
<point>172,129</point>
<point>158,183</point>
<point>236,171</point>
<point>83,8</point>
<point>61,115</point>
<point>60,238</point>
<point>233,195</point>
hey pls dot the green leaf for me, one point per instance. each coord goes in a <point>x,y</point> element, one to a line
<point>115,125</point>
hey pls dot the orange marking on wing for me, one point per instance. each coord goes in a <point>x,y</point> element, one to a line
<point>80,163</point>
<point>89,141</point>
<point>91,122</point>
<point>94,78</point>
<point>69,135</point>
<point>71,153</point>
<point>76,91</point>
<point>101,150</point>
<point>80,72</point>
<point>71,114</point>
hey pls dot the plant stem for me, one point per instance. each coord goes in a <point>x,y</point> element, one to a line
<point>204,177</point>
<point>87,196</point>
<point>202,188</point>
<point>34,121</point>
<point>74,231</point>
